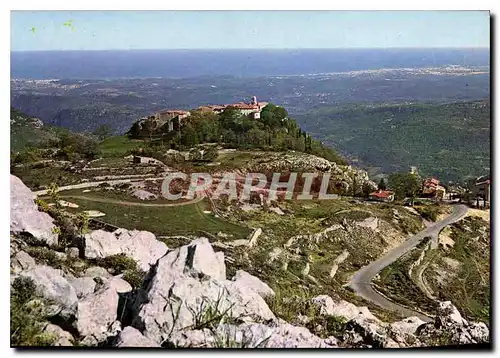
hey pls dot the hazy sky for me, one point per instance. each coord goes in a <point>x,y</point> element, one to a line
<point>103,30</point>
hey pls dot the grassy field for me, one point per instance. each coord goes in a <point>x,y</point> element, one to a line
<point>177,220</point>
<point>119,146</point>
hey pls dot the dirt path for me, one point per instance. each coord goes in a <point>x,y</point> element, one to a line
<point>133,203</point>
<point>97,183</point>
<point>419,279</point>
<point>361,281</point>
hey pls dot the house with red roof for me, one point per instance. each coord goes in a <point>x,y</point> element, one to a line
<point>431,188</point>
<point>385,196</point>
<point>253,108</point>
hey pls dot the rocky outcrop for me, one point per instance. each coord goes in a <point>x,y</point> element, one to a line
<point>363,329</point>
<point>342,177</point>
<point>21,261</point>
<point>188,283</point>
<point>449,327</point>
<point>61,337</point>
<point>245,280</point>
<point>143,195</point>
<point>96,271</point>
<point>142,246</point>
<point>253,335</point>
<point>83,286</point>
<point>25,218</point>
<point>327,306</point>
<point>131,337</point>
<point>51,285</point>
<point>96,314</point>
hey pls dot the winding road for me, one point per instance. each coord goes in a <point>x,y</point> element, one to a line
<point>361,281</point>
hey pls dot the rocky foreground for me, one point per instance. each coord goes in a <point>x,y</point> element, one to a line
<point>184,298</point>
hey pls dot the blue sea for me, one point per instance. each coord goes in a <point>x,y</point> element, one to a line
<point>240,63</point>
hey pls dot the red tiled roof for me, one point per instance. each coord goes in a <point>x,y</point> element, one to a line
<point>244,106</point>
<point>173,111</point>
<point>382,193</point>
<point>431,181</point>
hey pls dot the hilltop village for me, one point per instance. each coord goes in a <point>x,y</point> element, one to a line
<point>171,119</point>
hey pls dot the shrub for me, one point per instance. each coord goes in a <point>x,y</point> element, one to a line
<point>428,212</point>
<point>118,263</point>
<point>134,277</point>
<point>45,255</point>
<point>27,317</point>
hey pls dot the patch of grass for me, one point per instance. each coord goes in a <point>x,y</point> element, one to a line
<point>429,212</point>
<point>168,221</point>
<point>27,316</point>
<point>410,225</point>
<point>119,146</point>
<point>135,277</point>
<point>46,256</point>
<point>118,263</point>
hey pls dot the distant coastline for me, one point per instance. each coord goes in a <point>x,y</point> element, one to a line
<point>108,64</point>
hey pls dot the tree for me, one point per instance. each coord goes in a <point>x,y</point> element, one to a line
<point>149,127</point>
<point>405,185</point>
<point>382,185</point>
<point>102,132</point>
<point>134,131</point>
<point>189,136</point>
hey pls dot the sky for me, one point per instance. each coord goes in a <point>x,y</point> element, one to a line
<point>113,30</point>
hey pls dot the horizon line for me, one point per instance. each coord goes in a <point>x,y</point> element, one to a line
<point>268,49</point>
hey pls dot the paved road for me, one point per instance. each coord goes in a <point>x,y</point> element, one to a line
<point>361,281</point>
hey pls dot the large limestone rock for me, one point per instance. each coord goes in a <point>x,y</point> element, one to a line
<point>21,261</point>
<point>373,333</point>
<point>83,286</point>
<point>341,308</point>
<point>406,326</point>
<point>253,335</point>
<point>189,282</point>
<point>142,246</point>
<point>51,285</point>
<point>61,337</point>
<point>143,195</point>
<point>119,284</point>
<point>449,327</point>
<point>245,280</point>
<point>96,271</point>
<point>448,315</point>
<point>25,216</point>
<point>96,314</point>
<point>131,337</point>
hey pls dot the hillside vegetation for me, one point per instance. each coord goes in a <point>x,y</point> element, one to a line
<point>232,129</point>
<point>450,141</point>
<point>27,131</point>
